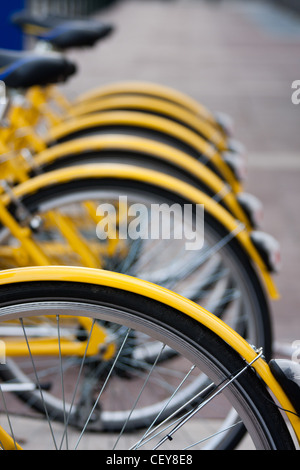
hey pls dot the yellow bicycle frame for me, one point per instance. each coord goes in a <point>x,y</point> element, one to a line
<point>163,181</point>
<point>127,283</point>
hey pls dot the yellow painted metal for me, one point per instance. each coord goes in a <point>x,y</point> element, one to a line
<point>19,169</point>
<point>146,289</point>
<point>21,125</point>
<point>13,170</point>
<point>160,180</point>
<point>148,149</point>
<point>46,347</point>
<point>23,234</point>
<point>69,231</point>
<point>143,120</point>
<point>40,97</point>
<point>49,346</point>
<point>152,105</point>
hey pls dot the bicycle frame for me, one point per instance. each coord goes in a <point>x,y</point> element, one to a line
<point>109,279</point>
<point>144,89</point>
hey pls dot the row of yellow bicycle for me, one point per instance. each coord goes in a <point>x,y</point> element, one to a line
<point>136,283</point>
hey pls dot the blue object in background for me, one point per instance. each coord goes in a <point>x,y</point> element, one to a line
<point>11,36</point>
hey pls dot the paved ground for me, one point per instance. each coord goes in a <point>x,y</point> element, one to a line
<point>236,56</point>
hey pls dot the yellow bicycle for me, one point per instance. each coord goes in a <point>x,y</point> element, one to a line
<point>216,370</point>
<point>81,346</point>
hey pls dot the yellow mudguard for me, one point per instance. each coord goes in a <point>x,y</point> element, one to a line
<point>145,121</point>
<point>146,289</point>
<point>148,149</point>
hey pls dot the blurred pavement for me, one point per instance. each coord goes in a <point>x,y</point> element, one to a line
<point>240,57</point>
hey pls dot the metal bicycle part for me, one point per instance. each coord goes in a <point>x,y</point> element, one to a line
<point>229,381</point>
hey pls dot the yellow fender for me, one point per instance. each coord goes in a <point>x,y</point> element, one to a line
<point>152,105</point>
<point>146,289</point>
<point>143,120</point>
<point>160,180</point>
<point>149,89</point>
<point>148,148</point>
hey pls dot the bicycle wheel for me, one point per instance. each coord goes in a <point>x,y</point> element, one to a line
<point>152,90</point>
<point>156,106</point>
<point>202,356</point>
<point>144,153</point>
<point>149,126</point>
<point>220,256</point>
<point>219,276</point>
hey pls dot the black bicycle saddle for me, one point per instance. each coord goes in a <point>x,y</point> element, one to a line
<point>25,69</point>
<point>62,33</point>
